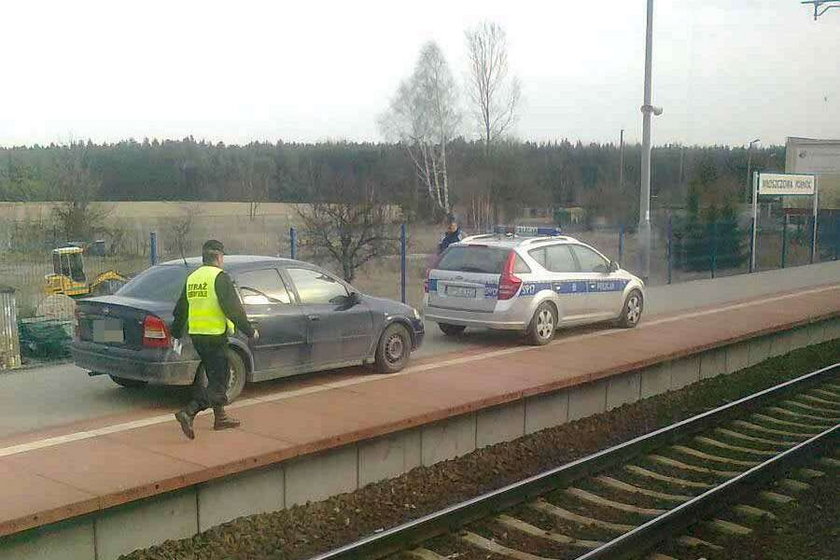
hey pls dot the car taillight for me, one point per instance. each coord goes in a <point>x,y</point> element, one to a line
<point>509,283</point>
<point>432,263</point>
<point>155,333</point>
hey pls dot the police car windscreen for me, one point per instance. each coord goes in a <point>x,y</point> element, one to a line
<point>162,283</point>
<point>484,260</point>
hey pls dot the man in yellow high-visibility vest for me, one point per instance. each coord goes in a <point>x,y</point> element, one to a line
<point>209,310</point>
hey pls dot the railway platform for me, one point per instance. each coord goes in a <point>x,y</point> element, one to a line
<point>105,490</point>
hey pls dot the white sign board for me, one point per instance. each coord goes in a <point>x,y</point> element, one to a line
<point>813,156</point>
<point>782,184</point>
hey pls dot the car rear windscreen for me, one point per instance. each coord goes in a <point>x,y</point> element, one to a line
<point>160,283</point>
<point>484,260</point>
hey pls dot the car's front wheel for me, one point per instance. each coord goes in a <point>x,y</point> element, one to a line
<point>394,349</point>
<point>451,330</point>
<point>631,313</point>
<point>236,377</point>
<point>128,383</point>
<point>543,324</point>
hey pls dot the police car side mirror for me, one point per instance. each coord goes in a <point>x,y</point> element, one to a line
<point>614,266</point>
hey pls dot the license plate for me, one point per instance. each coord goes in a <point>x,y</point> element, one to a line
<point>108,331</point>
<point>459,291</point>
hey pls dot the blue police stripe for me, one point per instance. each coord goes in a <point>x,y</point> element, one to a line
<point>571,287</point>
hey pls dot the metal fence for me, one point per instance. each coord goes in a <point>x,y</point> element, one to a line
<point>681,251</point>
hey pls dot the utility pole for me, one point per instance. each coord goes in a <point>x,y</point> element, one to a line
<point>647,111</point>
<point>749,169</point>
<point>621,164</point>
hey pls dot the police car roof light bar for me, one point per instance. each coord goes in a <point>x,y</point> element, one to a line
<point>528,231</point>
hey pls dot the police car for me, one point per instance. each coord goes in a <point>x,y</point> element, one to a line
<point>529,279</point>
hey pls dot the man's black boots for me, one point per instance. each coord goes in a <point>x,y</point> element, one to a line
<point>222,420</point>
<point>185,418</point>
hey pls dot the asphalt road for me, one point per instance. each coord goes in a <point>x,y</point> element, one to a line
<point>42,398</point>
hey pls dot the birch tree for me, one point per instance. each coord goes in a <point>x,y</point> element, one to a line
<point>493,92</point>
<point>424,117</point>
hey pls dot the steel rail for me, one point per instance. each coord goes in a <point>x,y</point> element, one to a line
<point>396,539</point>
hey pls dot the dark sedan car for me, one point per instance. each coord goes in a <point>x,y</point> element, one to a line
<point>308,319</point>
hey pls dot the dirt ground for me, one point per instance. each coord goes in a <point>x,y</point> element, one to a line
<point>302,531</point>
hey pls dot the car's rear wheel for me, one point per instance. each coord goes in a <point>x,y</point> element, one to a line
<point>631,313</point>
<point>128,383</point>
<point>451,330</point>
<point>236,378</point>
<point>543,324</point>
<point>394,349</point>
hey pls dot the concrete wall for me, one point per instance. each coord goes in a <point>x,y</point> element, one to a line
<point>312,478</point>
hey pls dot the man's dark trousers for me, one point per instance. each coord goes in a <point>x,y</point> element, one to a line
<point>211,350</point>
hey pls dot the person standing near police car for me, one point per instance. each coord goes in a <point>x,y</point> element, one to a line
<point>452,235</point>
<point>209,310</point>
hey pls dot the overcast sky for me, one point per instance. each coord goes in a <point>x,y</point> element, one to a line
<point>725,71</point>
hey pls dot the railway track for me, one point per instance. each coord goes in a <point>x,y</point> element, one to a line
<point>715,468</point>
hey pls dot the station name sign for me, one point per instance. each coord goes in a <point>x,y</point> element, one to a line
<point>784,184</point>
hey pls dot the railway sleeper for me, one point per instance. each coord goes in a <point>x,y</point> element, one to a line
<point>533,531</point>
<point>746,450</point>
<point>716,458</point>
<point>741,436</point>
<point>641,471</point>
<point>824,412</point>
<point>629,488</point>
<point>773,431</point>
<point>597,500</point>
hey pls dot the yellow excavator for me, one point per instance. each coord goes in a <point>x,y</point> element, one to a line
<point>68,277</point>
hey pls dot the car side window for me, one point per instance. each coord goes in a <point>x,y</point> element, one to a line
<point>314,287</point>
<point>538,255</point>
<point>590,261</point>
<point>520,266</point>
<point>262,287</point>
<point>559,259</point>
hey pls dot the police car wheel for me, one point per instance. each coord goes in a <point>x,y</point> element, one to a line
<point>236,378</point>
<point>451,330</point>
<point>543,325</point>
<point>631,313</point>
<point>394,349</point>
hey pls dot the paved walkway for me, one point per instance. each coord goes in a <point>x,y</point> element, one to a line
<point>50,479</point>
<point>58,396</point>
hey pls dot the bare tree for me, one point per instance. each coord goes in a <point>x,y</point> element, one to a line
<point>180,227</point>
<point>494,94</point>
<point>78,217</point>
<point>424,117</point>
<point>346,223</point>
<point>255,173</point>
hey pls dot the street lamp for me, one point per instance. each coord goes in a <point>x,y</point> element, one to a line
<point>647,110</point>
<point>822,6</point>
<point>749,169</point>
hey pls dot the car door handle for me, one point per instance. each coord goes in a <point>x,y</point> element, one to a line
<point>313,317</point>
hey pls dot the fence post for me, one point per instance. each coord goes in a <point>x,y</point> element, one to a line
<point>784,239</point>
<point>403,245</point>
<point>752,233</point>
<point>836,236</point>
<point>153,248</point>
<point>293,242</point>
<point>621,244</point>
<point>670,249</point>
<point>714,248</point>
